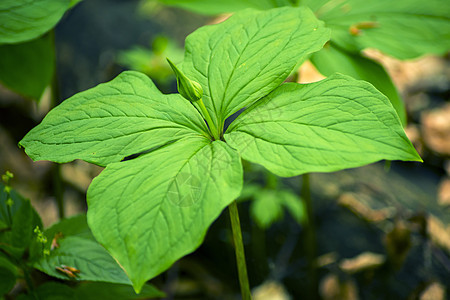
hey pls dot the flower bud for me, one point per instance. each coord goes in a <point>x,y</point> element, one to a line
<point>187,88</point>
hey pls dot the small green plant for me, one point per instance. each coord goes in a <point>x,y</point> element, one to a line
<point>152,61</point>
<point>67,250</point>
<point>169,173</point>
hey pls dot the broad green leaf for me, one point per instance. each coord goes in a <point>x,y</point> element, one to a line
<point>244,58</point>
<point>333,124</point>
<point>103,290</point>
<point>404,29</point>
<point>150,211</point>
<point>24,20</point>
<point>86,255</point>
<point>213,7</point>
<point>27,68</point>
<point>125,116</point>
<point>332,59</point>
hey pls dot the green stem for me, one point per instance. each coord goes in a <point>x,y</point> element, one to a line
<point>57,178</point>
<point>271,181</point>
<point>7,216</point>
<point>310,237</point>
<point>239,249</point>
<point>26,274</point>
<point>8,209</point>
<point>28,280</point>
<point>212,126</point>
<point>58,187</point>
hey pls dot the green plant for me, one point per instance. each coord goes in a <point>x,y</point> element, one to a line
<point>67,250</point>
<point>169,174</point>
<point>404,29</point>
<point>27,43</point>
<point>153,61</point>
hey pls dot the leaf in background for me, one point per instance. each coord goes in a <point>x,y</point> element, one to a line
<point>27,68</point>
<point>294,205</point>
<point>24,20</point>
<point>404,29</point>
<point>268,205</point>
<point>73,226</point>
<point>74,2</point>
<point>332,59</point>
<point>244,58</point>
<point>147,218</point>
<point>214,7</point>
<point>51,291</point>
<point>266,208</point>
<point>125,116</point>
<point>16,238</point>
<point>89,257</point>
<point>152,61</point>
<point>330,125</point>
<point>103,290</point>
<point>8,275</point>
<point>70,243</point>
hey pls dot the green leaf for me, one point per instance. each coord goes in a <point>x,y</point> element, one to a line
<point>332,59</point>
<point>294,205</point>
<point>152,210</point>
<point>8,275</point>
<point>326,126</point>
<point>27,68</point>
<point>71,243</point>
<point>244,58</point>
<point>103,290</point>
<point>404,29</point>
<point>85,255</point>
<point>24,20</point>
<point>74,226</point>
<point>125,116</point>
<point>74,2</point>
<point>21,221</point>
<point>51,291</point>
<point>266,208</point>
<point>268,205</point>
<point>213,7</point>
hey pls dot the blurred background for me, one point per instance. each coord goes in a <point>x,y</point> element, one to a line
<point>375,232</point>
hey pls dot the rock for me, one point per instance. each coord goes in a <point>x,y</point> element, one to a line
<point>438,232</point>
<point>270,290</point>
<point>364,261</point>
<point>434,291</point>
<point>436,129</point>
<point>331,288</point>
<point>444,192</point>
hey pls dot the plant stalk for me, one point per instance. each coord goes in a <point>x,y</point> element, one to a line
<point>310,238</point>
<point>239,250</point>
<point>57,178</point>
<point>212,126</point>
